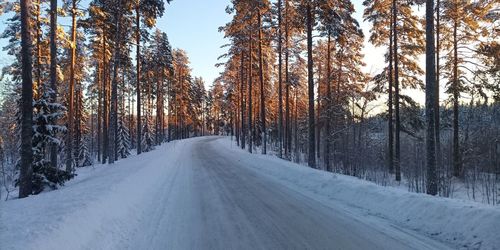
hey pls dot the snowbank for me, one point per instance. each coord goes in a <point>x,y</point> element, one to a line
<point>99,209</point>
<point>463,224</point>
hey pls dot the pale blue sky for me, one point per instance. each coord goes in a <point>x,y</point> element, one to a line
<point>193,26</point>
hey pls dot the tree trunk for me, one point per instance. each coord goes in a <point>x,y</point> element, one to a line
<point>329,105</point>
<point>138,70</point>
<point>250,128</point>
<point>397,157</point>
<point>114,92</point>
<point>242,99</point>
<point>53,70</point>
<point>457,169</point>
<point>105,106</point>
<point>26,151</point>
<point>262,94</point>
<point>69,142</point>
<point>311,160</point>
<point>437,126</point>
<point>288,129</point>
<point>162,107</point>
<point>296,125</point>
<point>38,66</point>
<point>390,159</point>
<point>430,81</point>
<point>318,108</point>
<point>99,112</point>
<point>92,130</point>
<point>158,110</point>
<point>77,124</point>
<point>280,85</point>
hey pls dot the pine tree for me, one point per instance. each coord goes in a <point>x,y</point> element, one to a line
<point>149,10</point>
<point>338,24</point>
<point>392,19</point>
<point>164,70</point>
<point>460,27</point>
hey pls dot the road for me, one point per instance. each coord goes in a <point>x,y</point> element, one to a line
<point>213,201</point>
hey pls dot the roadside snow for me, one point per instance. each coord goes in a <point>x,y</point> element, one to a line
<point>464,224</point>
<point>98,209</point>
<point>109,206</point>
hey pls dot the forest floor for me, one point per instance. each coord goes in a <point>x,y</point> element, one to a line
<point>206,193</point>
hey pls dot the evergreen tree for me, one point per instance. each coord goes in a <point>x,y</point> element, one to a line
<point>149,10</point>
<point>147,138</point>
<point>45,134</point>
<point>84,154</point>
<point>392,19</point>
<point>123,139</point>
<point>460,26</point>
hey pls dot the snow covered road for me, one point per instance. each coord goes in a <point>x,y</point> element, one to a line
<point>203,193</point>
<point>214,201</point>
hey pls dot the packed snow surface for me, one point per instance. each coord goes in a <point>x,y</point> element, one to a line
<point>206,193</point>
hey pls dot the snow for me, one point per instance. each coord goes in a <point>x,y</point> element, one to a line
<point>462,223</point>
<point>115,206</point>
<point>97,209</point>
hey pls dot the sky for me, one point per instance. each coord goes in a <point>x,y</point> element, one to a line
<point>193,26</point>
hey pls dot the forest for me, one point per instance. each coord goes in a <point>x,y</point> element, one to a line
<point>295,81</point>
<point>96,82</point>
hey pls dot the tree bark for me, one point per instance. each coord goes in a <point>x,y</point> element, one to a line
<point>138,70</point>
<point>262,94</point>
<point>114,92</point>
<point>69,142</point>
<point>280,85</point>
<point>99,113</point>
<point>437,126</point>
<point>457,168</point>
<point>390,159</point>
<point>288,129</point>
<point>242,99</point>
<point>38,66</point>
<point>105,106</point>
<point>318,108</point>
<point>430,81</point>
<point>397,157</point>
<point>250,130</point>
<point>53,70</point>
<point>311,160</point>
<point>26,151</point>
<point>329,105</point>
